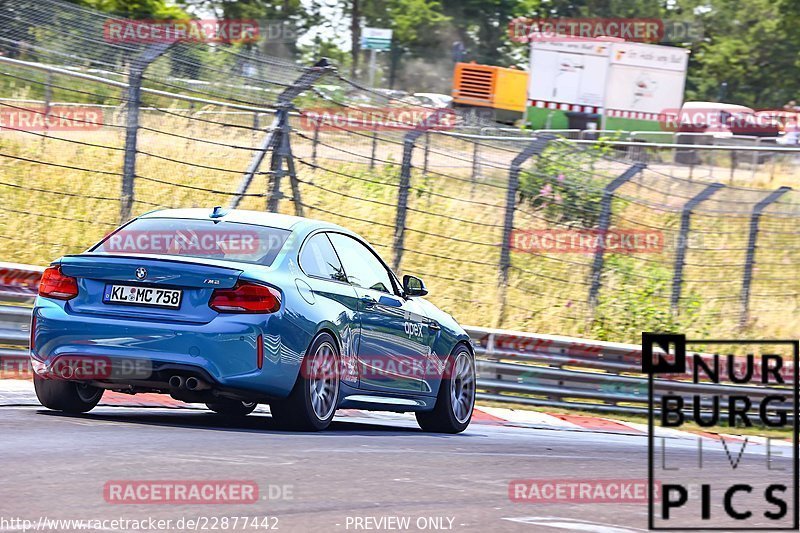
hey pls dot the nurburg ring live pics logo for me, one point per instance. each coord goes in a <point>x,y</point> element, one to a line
<point>723,433</point>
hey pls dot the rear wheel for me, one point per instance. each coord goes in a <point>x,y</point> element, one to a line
<point>67,396</point>
<point>456,398</point>
<point>228,407</point>
<point>313,400</point>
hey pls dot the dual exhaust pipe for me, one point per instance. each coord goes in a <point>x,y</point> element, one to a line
<point>191,383</point>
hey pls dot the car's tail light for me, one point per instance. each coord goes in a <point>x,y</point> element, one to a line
<point>246,298</point>
<point>54,284</point>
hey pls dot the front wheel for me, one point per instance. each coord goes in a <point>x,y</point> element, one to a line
<point>228,407</point>
<point>67,396</point>
<point>313,400</point>
<point>456,398</point>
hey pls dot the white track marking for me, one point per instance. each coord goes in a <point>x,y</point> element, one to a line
<point>660,432</point>
<point>528,417</point>
<point>572,524</point>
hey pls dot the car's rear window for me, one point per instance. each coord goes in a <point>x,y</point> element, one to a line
<point>231,241</point>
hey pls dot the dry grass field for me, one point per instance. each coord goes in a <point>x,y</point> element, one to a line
<point>61,193</point>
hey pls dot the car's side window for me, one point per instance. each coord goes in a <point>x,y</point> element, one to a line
<point>362,267</point>
<point>318,259</point>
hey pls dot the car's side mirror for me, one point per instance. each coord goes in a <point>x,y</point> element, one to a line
<point>413,286</point>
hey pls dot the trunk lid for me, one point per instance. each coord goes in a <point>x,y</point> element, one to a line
<point>195,278</point>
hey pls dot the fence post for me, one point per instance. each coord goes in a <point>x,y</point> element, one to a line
<point>602,227</point>
<point>476,169</point>
<point>749,260</point>
<point>277,129</point>
<point>280,149</point>
<point>48,97</point>
<point>535,147</point>
<point>315,141</point>
<point>427,151</point>
<point>409,140</point>
<point>683,235</point>
<point>134,98</point>
<point>374,148</point>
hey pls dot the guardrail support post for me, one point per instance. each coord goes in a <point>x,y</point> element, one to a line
<point>602,227</point>
<point>683,236</point>
<point>279,128</point>
<point>134,98</point>
<point>749,261</point>
<point>535,147</point>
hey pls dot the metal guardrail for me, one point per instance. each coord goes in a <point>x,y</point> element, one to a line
<point>512,366</point>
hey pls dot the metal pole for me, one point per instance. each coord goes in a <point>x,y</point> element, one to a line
<point>134,91</point>
<point>279,147</point>
<point>315,142</point>
<point>603,225</point>
<point>427,151</point>
<point>374,146</point>
<point>272,140</point>
<point>405,183</point>
<point>475,162</point>
<point>255,163</point>
<point>372,66</point>
<point>683,236</point>
<point>536,147</point>
<point>129,161</point>
<point>749,261</point>
<point>48,97</point>
<point>402,198</point>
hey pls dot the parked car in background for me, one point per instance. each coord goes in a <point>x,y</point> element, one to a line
<point>724,120</point>
<point>442,101</point>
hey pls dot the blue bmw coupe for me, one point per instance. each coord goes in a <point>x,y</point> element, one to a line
<point>237,308</point>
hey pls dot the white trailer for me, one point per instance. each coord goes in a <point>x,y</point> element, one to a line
<point>624,85</point>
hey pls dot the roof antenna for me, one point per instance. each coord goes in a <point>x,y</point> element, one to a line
<point>218,212</point>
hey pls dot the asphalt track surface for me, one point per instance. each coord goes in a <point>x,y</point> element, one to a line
<point>56,466</point>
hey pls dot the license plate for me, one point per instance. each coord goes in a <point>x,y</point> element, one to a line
<point>144,296</point>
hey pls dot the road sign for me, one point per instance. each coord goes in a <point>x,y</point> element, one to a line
<point>376,39</point>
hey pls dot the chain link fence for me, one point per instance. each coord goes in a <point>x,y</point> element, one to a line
<point>503,224</point>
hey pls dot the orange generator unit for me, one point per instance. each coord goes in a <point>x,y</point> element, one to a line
<point>496,93</point>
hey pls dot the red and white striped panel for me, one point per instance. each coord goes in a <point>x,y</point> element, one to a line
<point>542,104</point>
<point>640,115</point>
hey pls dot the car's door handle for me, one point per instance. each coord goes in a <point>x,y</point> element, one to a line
<point>368,301</point>
<point>434,325</point>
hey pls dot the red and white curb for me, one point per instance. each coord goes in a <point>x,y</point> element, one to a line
<point>19,392</point>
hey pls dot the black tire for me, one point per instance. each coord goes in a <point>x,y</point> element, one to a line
<point>444,418</point>
<point>228,407</point>
<point>297,411</point>
<point>67,396</point>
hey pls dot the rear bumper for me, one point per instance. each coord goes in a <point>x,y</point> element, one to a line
<point>224,350</point>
